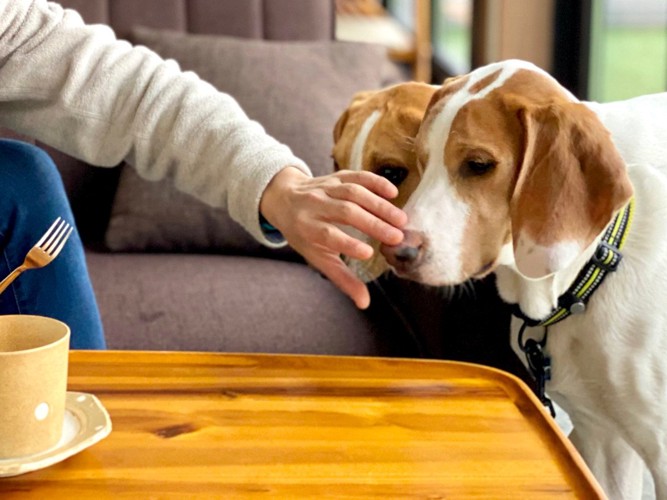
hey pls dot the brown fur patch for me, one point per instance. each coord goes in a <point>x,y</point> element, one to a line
<point>391,141</point>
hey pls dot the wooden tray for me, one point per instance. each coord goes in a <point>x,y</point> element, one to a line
<point>263,426</point>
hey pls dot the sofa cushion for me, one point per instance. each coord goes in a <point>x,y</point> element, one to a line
<point>229,304</point>
<point>296,90</point>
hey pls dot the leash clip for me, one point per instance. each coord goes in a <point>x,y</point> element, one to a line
<point>540,366</point>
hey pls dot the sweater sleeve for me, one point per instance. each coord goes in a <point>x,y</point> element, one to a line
<point>79,89</point>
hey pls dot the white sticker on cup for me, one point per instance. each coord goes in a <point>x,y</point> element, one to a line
<point>41,411</point>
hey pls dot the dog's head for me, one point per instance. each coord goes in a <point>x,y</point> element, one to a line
<point>376,133</point>
<point>516,172</point>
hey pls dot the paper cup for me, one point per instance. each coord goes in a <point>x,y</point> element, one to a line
<point>33,383</point>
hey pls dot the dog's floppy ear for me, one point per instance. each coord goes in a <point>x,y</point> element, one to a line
<point>570,183</point>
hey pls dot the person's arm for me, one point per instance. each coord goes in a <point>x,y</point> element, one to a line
<point>78,89</point>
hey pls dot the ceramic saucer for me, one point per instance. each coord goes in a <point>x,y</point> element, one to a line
<point>86,422</point>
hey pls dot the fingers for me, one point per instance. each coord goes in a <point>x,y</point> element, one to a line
<point>368,213</point>
<point>341,276</point>
<point>327,238</point>
<point>369,191</point>
<point>373,182</point>
<point>352,214</point>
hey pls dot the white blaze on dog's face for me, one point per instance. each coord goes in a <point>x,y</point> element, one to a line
<point>516,172</point>
<point>376,133</point>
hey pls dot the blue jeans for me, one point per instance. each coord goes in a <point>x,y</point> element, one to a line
<point>32,196</point>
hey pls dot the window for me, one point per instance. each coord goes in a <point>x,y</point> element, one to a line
<point>628,49</point>
<point>450,31</point>
<point>403,11</point>
<point>452,34</point>
<point>415,16</point>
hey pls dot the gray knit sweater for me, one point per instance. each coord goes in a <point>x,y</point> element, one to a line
<point>79,89</point>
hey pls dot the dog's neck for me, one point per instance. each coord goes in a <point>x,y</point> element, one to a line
<point>537,298</point>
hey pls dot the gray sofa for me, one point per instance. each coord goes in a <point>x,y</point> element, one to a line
<point>172,274</point>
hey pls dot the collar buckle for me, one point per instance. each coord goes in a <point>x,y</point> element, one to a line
<point>607,257</point>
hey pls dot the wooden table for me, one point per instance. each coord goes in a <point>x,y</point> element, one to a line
<point>257,426</point>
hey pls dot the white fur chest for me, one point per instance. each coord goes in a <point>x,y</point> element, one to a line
<point>617,348</point>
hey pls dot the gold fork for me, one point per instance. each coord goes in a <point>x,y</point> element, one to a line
<point>44,251</point>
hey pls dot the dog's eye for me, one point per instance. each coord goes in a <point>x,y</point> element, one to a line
<point>395,175</point>
<point>479,167</point>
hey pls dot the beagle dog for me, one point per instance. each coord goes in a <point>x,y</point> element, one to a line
<point>566,202</point>
<point>376,133</point>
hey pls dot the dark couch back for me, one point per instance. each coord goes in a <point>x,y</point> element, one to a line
<point>91,190</point>
<point>267,19</point>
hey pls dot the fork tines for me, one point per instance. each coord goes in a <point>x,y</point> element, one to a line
<point>55,238</point>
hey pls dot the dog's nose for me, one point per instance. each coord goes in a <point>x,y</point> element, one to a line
<point>407,254</point>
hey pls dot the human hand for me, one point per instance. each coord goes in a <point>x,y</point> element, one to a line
<point>307,211</point>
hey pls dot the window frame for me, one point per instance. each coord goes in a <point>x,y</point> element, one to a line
<point>572,45</point>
